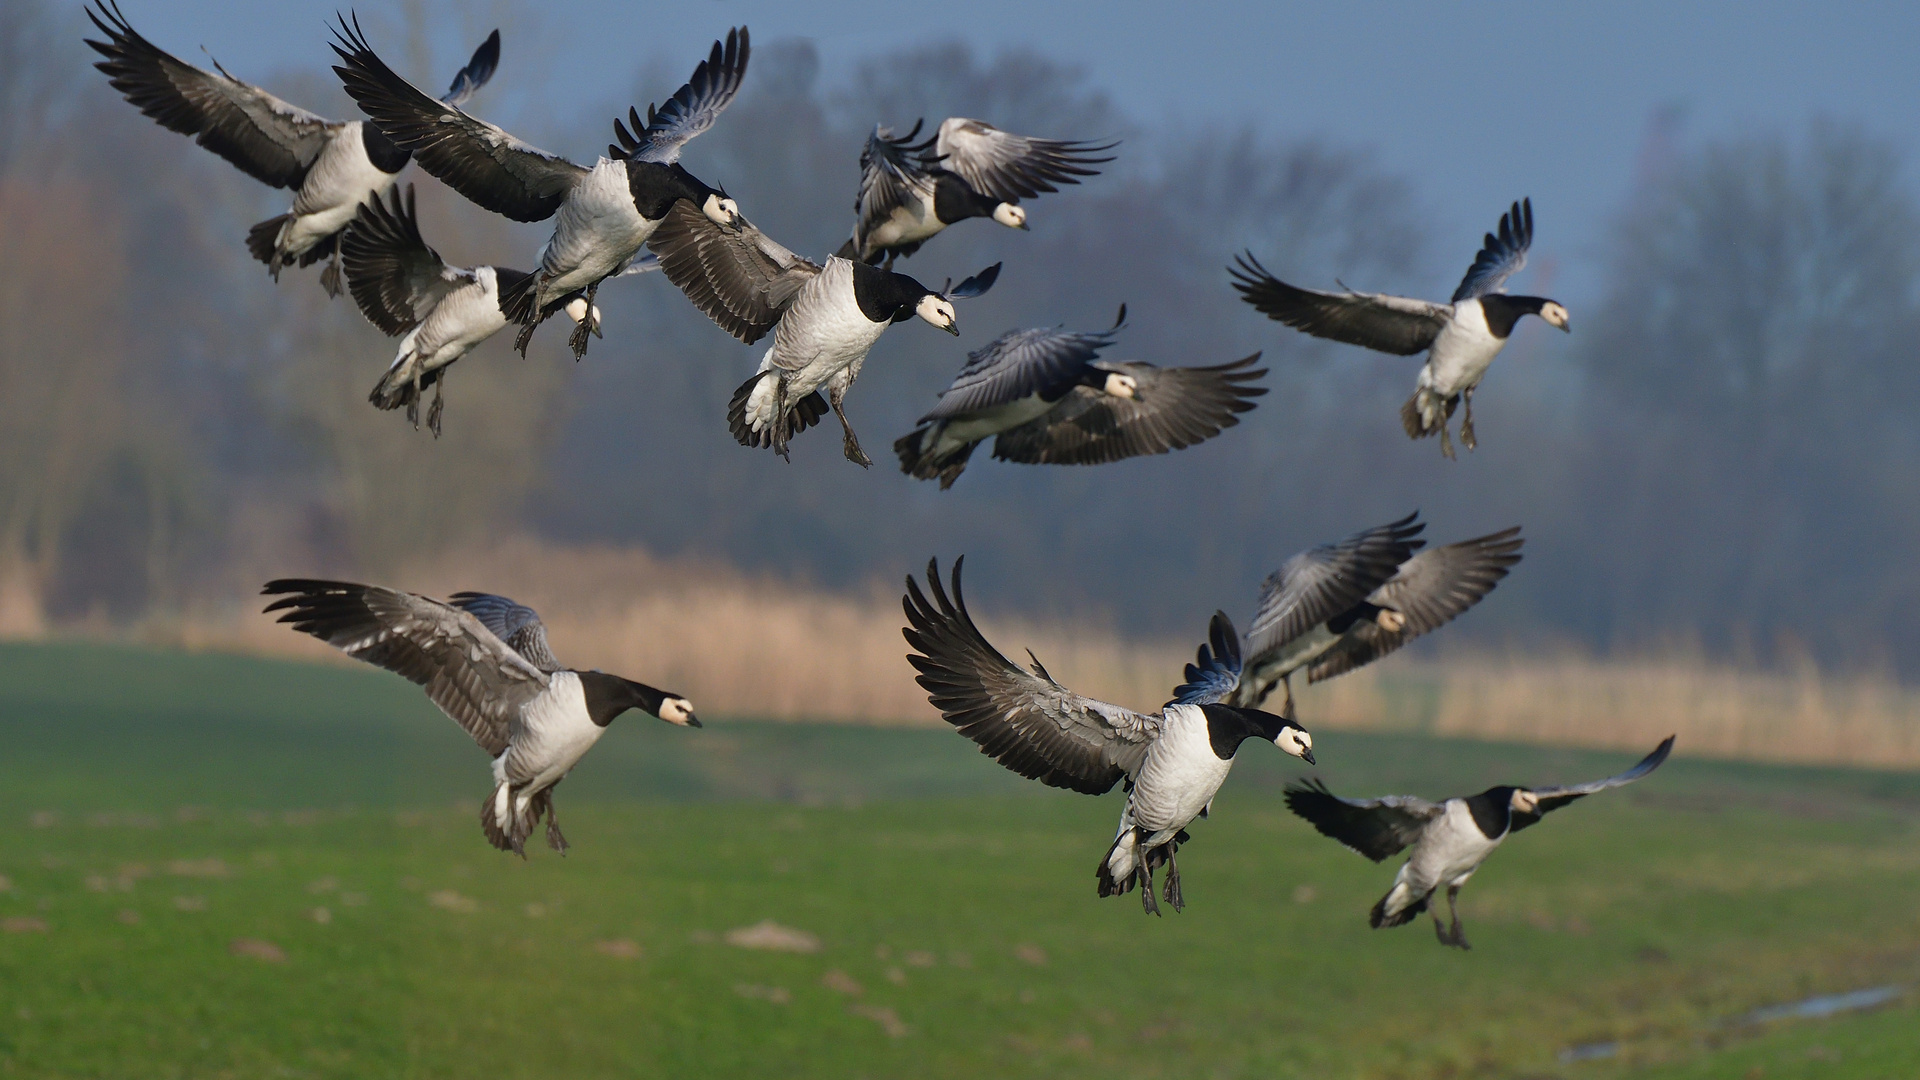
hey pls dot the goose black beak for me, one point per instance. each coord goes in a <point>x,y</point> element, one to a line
<point>1307,756</point>
<point>694,721</point>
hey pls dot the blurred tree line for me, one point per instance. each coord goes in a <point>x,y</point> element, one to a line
<point>1720,452</point>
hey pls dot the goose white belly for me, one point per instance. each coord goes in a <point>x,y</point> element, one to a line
<point>1180,776</point>
<point>341,178</point>
<point>461,320</point>
<point>1450,850</point>
<point>1461,353</point>
<point>989,422</point>
<point>908,224</point>
<point>595,232</point>
<point>823,338</point>
<point>554,733</point>
<point>1293,656</point>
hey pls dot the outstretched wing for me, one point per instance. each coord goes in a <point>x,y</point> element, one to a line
<point>736,274</point>
<point>690,111</point>
<point>1215,672</point>
<point>266,138</point>
<point>490,167</point>
<point>1553,798</point>
<point>892,175</point>
<point>478,70</point>
<point>1172,409</point>
<point>1021,363</point>
<point>393,275</point>
<point>1377,828</point>
<point>1012,167</point>
<point>1022,719</point>
<point>516,624</point>
<point>468,671</point>
<point>1324,581</point>
<point>1429,591</point>
<point>1500,256</point>
<point>1388,324</point>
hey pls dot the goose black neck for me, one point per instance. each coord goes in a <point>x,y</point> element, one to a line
<point>954,200</point>
<point>1228,727</point>
<point>1344,621</point>
<point>885,296</point>
<point>1492,810</point>
<point>610,695</point>
<point>380,150</point>
<point>655,187</point>
<point>1503,311</point>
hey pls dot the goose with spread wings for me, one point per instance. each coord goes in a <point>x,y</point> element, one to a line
<point>602,216</point>
<point>1173,761</point>
<point>909,191</point>
<point>484,660</point>
<point>1450,840</point>
<point>1460,338</point>
<point>824,319</point>
<point>1374,595</point>
<point>439,312</point>
<point>1046,398</point>
<point>332,166</point>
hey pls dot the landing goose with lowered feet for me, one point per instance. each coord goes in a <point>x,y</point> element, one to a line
<point>1460,338</point>
<point>1173,760</point>
<point>1450,840</point>
<point>332,165</point>
<point>824,319</point>
<point>1046,398</point>
<point>484,661</point>
<point>602,215</point>
<point>910,191</point>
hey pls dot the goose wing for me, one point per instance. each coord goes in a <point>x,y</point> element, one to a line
<point>690,111</point>
<point>1377,828</point>
<point>892,175</point>
<point>1215,672</point>
<point>1500,256</point>
<point>393,275</point>
<point>737,275</point>
<point>490,167</point>
<point>1012,167</point>
<point>516,624</point>
<point>1021,363</point>
<point>1388,324</point>
<point>468,671</point>
<point>1553,798</point>
<point>1022,719</point>
<point>478,70</point>
<point>1324,581</point>
<point>266,138</point>
<point>1429,590</point>
<point>1172,408</point>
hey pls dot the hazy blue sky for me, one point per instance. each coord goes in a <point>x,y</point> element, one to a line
<point>1478,103</point>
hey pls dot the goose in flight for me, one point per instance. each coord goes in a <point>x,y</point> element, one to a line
<point>332,166</point>
<point>824,319</point>
<point>1460,338</point>
<point>1046,398</point>
<point>1449,839</point>
<point>1338,607</point>
<point>1173,760</point>
<point>439,312</point>
<point>484,661</point>
<point>910,191</point>
<point>602,216</point>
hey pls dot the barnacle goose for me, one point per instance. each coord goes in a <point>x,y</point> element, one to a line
<point>332,166</point>
<point>1370,595</point>
<point>910,191</point>
<point>1045,398</point>
<point>439,312</point>
<point>1173,761</point>
<point>602,215</point>
<point>1460,338</point>
<point>825,319</point>
<point>484,660</point>
<point>1449,839</point>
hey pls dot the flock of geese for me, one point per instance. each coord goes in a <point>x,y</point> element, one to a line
<point>1044,396</point>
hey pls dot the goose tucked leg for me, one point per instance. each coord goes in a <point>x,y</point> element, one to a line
<point>1466,425</point>
<point>1459,936</point>
<point>433,412</point>
<point>850,443</point>
<point>1143,873</point>
<point>1173,894</point>
<point>781,430</point>
<point>583,331</point>
<point>330,277</point>
<point>1446,441</point>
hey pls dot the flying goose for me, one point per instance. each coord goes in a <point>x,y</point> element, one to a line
<point>602,216</point>
<point>331,165</point>
<point>1045,398</point>
<point>1460,338</point>
<point>825,319</point>
<point>439,312</point>
<point>484,660</point>
<point>1173,760</point>
<point>1450,839</point>
<point>910,191</point>
<point>1415,595</point>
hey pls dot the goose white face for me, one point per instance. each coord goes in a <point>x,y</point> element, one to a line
<point>1295,741</point>
<point>1555,315</point>
<point>1122,386</point>
<point>1013,217</point>
<point>678,710</point>
<point>1390,620</point>
<point>722,210</point>
<point>1524,802</point>
<point>938,311</point>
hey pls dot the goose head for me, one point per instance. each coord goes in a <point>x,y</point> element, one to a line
<point>1555,315</point>
<point>937,310</point>
<point>1295,740</point>
<point>1523,801</point>
<point>721,210</point>
<point>1390,620</point>
<point>1121,386</point>
<point>677,711</point>
<point>1011,215</point>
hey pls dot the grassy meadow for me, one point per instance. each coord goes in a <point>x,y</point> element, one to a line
<point>222,867</point>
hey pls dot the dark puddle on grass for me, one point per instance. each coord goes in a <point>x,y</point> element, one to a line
<point>1812,1008</point>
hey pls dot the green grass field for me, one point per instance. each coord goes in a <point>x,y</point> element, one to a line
<point>233,868</point>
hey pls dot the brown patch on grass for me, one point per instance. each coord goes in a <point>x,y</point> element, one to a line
<point>190,903</point>
<point>45,819</point>
<point>321,915</point>
<point>618,948</point>
<point>200,868</point>
<point>888,1020</point>
<point>920,959</point>
<point>842,983</point>
<point>129,917</point>
<point>777,995</point>
<point>896,976</point>
<point>6,883</point>
<point>257,949</point>
<point>770,935</point>
<point>448,900</point>
<point>23,924</point>
<point>1032,954</point>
